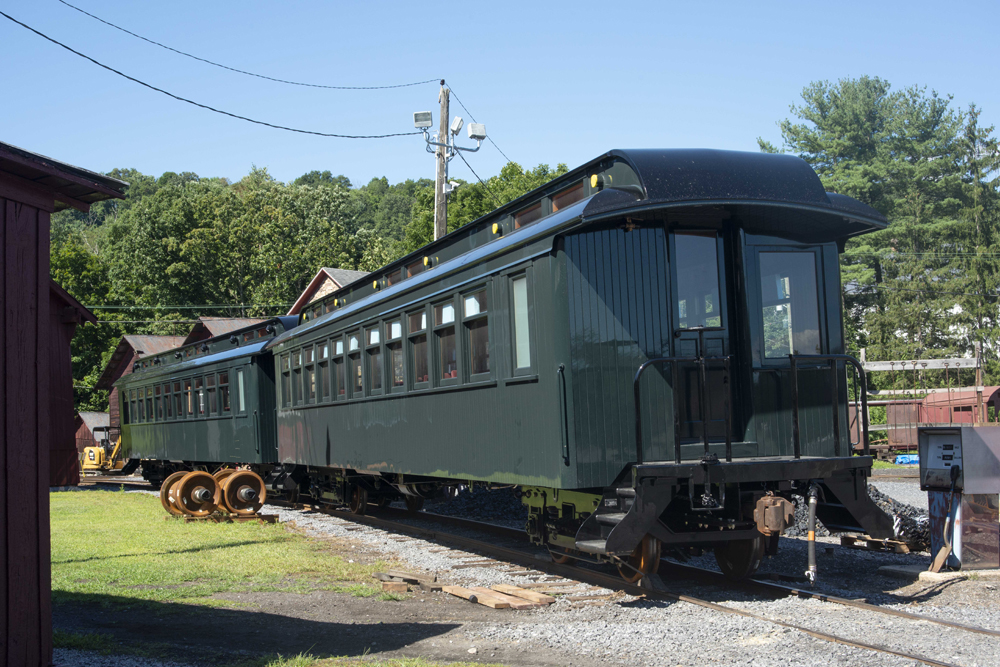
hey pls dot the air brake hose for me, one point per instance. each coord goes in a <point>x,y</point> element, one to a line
<point>813,502</point>
<point>943,552</point>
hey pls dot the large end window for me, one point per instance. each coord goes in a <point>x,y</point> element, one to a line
<point>790,304</point>
<point>697,260</point>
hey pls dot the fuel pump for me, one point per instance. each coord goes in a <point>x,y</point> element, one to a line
<point>960,470</point>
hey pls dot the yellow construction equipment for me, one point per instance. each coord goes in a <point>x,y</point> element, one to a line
<point>105,458</point>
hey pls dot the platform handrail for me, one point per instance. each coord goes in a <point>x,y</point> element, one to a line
<point>674,362</point>
<point>862,414</point>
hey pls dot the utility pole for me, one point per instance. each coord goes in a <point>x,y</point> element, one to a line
<point>444,147</point>
<point>440,196</point>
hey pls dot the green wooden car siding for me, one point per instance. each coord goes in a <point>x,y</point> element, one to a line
<point>246,437</point>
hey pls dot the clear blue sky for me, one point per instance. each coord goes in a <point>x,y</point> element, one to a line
<point>553,81</point>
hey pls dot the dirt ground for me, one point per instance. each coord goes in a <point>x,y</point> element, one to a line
<point>322,623</point>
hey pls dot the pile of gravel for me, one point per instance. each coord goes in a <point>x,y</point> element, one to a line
<point>498,506</point>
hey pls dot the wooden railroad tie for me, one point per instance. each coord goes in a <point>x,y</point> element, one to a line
<point>871,544</point>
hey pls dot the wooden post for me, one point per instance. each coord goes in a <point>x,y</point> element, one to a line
<point>440,198</point>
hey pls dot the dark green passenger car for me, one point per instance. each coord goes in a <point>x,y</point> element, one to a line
<point>203,405</point>
<point>509,352</point>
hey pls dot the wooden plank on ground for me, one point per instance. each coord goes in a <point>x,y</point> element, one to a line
<point>514,602</point>
<point>395,586</point>
<point>518,592</point>
<point>472,596</point>
<point>416,577</point>
<point>550,584</point>
<point>465,565</point>
<point>526,573</point>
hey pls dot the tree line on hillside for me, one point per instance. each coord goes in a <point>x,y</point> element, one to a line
<point>180,246</point>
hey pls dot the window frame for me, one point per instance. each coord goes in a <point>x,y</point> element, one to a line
<point>467,322</point>
<point>241,384</point>
<point>411,353</point>
<point>531,368</point>
<point>436,330</point>
<point>338,369</point>
<point>355,354</point>
<point>225,395</point>
<point>323,391</point>
<point>759,347</point>
<point>720,276</point>
<point>285,370</point>
<point>394,343</point>
<point>296,383</point>
<point>309,370</point>
<point>370,351</point>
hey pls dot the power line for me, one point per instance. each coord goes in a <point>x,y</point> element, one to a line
<point>205,106</point>
<point>485,187</point>
<point>488,137</point>
<point>148,321</point>
<point>240,71</point>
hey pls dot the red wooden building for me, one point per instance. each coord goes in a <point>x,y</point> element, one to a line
<point>31,188</point>
<point>65,314</point>
<point>129,350</point>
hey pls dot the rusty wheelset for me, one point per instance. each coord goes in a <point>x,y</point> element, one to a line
<point>200,494</point>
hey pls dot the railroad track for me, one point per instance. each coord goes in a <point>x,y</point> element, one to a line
<point>396,520</point>
<point>614,582</point>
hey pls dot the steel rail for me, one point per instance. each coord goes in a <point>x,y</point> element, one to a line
<point>592,577</point>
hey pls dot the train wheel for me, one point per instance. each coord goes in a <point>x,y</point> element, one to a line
<point>414,503</point>
<point>560,556</point>
<point>384,501</point>
<point>166,498</point>
<point>644,560</point>
<point>197,493</point>
<point>221,475</point>
<point>359,500</point>
<point>739,559</point>
<point>243,492</point>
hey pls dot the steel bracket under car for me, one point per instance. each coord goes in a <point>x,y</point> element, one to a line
<point>634,506</point>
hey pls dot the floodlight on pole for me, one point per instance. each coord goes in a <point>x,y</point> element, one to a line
<point>423,119</point>
<point>443,146</point>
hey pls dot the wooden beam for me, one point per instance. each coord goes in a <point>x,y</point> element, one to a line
<point>54,169</point>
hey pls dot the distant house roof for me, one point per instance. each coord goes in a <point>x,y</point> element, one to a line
<point>141,346</point>
<point>94,419</point>
<point>210,327</point>
<point>339,278</point>
<point>53,180</point>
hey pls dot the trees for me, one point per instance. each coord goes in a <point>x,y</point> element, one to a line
<point>471,201</point>
<point>927,167</point>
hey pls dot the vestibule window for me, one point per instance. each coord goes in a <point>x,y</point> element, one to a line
<point>697,261</point>
<point>790,304</point>
<point>286,381</point>
<point>224,392</point>
<point>357,370</point>
<point>340,376</point>
<point>213,406</point>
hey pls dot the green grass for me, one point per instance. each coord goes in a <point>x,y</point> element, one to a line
<point>120,545</point>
